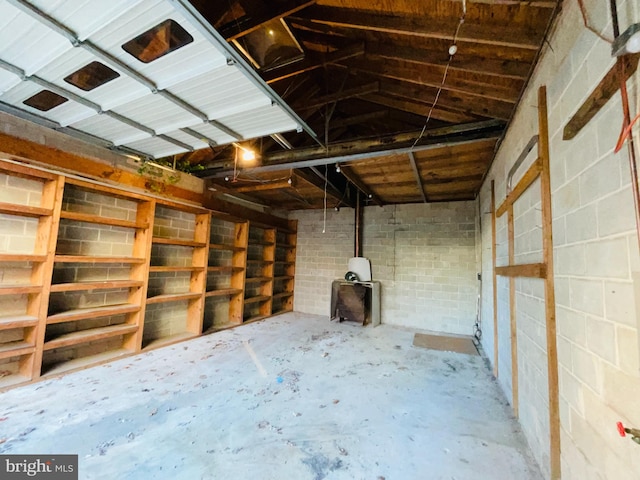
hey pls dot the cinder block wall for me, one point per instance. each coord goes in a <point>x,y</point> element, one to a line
<point>424,255</point>
<point>595,254</point>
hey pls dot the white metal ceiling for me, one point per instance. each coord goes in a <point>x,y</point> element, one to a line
<point>202,93</point>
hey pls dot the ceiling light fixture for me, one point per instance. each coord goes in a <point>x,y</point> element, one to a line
<point>627,42</point>
<point>247,154</point>
<point>337,167</point>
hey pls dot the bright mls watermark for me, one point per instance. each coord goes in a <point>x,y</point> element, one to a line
<point>49,467</point>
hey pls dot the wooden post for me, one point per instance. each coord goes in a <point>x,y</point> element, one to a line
<point>495,279</point>
<point>198,281</point>
<point>550,301</point>
<point>512,315</point>
<point>239,264</point>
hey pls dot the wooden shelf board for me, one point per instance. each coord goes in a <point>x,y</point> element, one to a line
<point>256,318</point>
<point>170,340</point>
<point>24,210</point>
<point>9,257</point>
<point>257,279</point>
<point>221,246</point>
<point>94,312</point>
<point>284,277</point>
<point>223,292</point>
<point>260,262</point>
<point>284,262</point>
<point>258,298</point>
<point>15,349</point>
<point>161,268</point>
<point>13,381</point>
<point>89,335</point>
<point>177,242</point>
<point>89,218</point>
<point>284,310</point>
<point>221,269</point>
<point>19,289</point>
<point>75,287</point>
<point>261,243</point>
<point>282,295</point>
<point>84,362</point>
<point>17,321</point>
<point>173,297</point>
<point>90,259</point>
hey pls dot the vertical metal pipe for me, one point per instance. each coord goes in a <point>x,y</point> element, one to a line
<point>358,228</point>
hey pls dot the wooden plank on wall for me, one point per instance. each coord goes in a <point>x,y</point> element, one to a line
<point>495,279</point>
<point>532,270</point>
<point>550,301</point>
<point>26,150</point>
<point>512,315</point>
<point>530,176</point>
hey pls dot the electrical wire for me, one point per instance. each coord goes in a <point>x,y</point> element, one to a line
<point>326,180</point>
<point>452,51</point>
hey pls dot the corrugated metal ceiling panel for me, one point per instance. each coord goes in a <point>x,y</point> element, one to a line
<point>110,129</point>
<point>196,75</point>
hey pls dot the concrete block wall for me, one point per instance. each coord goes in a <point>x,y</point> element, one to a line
<point>595,256</point>
<point>216,309</point>
<point>424,255</point>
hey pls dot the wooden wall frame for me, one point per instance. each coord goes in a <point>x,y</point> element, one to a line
<point>544,270</point>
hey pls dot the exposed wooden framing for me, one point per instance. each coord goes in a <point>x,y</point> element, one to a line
<point>260,187</point>
<point>527,3</point>
<point>416,173</point>
<point>607,87</point>
<point>530,176</point>
<point>495,279</point>
<point>540,169</point>
<point>439,112</point>
<point>359,91</point>
<point>531,270</point>
<point>198,280</point>
<point>488,127</point>
<point>358,119</point>
<point>479,86</point>
<point>250,23</point>
<point>423,27</point>
<point>466,63</point>
<point>350,175</point>
<point>512,314</point>
<point>234,211</point>
<point>313,62</point>
<point>46,238</point>
<point>549,289</point>
<point>239,261</point>
<point>22,149</point>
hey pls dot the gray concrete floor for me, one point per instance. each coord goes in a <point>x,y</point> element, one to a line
<point>293,397</point>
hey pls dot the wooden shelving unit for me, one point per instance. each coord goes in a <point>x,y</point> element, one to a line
<point>86,284</point>
<point>92,315</point>
<point>178,287</point>
<point>21,332</point>
<point>285,269</point>
<point>259,273</point>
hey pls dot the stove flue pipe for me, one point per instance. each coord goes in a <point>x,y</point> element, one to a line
<point>357,248</point>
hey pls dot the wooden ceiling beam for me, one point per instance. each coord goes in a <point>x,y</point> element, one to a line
<point>399,71</point>
<point>250,23</point>
<point>419,108</point>
<point>313,62</point>
<point>358,119</point>
<point>462,62</point>
<point>261,187</point>
<point>416,173</point>
<point>434,27</point>
<point>354,92</point>
<point>525,3</point>
<point>452,101</point>
<point>350,175</point>
<point>488,128</point>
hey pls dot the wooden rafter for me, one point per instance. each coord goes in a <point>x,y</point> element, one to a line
<point>313,62</point>
<point>311,178</point>
<point>517,70</point>
<point>354,92</point>
<point>435,27</point>
<point>416,173</point>
<point>261,187</point>
<point>422,109</point>
<point>482,87</point>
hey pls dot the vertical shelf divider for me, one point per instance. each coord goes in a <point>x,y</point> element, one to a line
<point>268,255</point>
<point>46,240</point>
<point>141,249</point>
<point>239,262</point>
<point>198,281</point>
